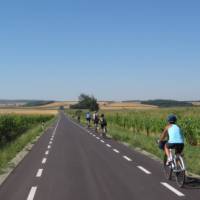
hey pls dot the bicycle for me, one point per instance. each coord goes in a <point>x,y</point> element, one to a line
<point>176,167</point>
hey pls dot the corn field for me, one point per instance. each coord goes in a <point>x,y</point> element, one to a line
<point>11,126</point>
<point>152,122</point>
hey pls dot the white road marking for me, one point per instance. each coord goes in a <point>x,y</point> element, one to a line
<point>39,173</point>
<point>127,158</point>
<point>54,132</point>
<point>94,135</point>
<point>173,189</point>
<point>50,142</point>
<point>115,150</point>
<point>144,170</point>
<point>102,141</point>
<point>44,160</point>
<point>108,145</point>
<point>49,147</point>
<point>51,139</point>
<point>32,193</point>
<point>47,152</point>
<point>98,138</point>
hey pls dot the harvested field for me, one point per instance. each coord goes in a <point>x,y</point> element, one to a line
<point>104,105</point>
<point>123,105</point>
<point>56,105</point>
<point>28,111</point>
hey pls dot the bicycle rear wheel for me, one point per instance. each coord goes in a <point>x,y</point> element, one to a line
<point>167,169</point>
<point>180,171</point>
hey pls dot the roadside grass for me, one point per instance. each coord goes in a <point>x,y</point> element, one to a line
<point>9,151</point>
<point>148,143</point>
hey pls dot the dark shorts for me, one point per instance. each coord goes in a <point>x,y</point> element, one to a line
<point>177,146</point>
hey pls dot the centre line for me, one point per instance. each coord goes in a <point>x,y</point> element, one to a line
<point>39,173</point>
<point>102,141</point>
<point>115,150</point>
<point>127,158</point>
<point>108,145</point>
<point>173,189</point>
<point>32,193</point>
<point>49,147</point>
<point>47,152</point>
<point>44,160</point>
<point>144,170</point>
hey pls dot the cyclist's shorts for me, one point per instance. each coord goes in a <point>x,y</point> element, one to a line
<point>162,144</point>
<point>177,146</point>
<point>103,126</point>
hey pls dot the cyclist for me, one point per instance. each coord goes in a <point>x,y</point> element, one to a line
<point>88,119</point>
<point>103,123</point>
<point>96,120</point>
<point>175,138</point>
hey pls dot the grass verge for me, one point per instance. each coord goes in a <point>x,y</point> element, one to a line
<point>8,152</point>
<point>191,153</point>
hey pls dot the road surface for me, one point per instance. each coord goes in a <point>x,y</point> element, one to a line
<point>72,163</point>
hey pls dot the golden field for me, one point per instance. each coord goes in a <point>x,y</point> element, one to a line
<point>104,105</point>
<point>124,105</point>
<point>27,111</point>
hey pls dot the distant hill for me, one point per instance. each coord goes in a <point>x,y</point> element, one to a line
<point>18,103</point>
<point>38,103</point>
<point>167,103</point>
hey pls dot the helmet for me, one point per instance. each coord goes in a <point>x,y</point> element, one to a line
<point>172,118</point>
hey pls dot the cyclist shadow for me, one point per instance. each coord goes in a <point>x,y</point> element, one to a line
<point>192,183</point>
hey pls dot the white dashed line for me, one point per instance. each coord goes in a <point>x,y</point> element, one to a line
<point>127,158</point>
<point>102,141</point>
<point>32,193</point>
<point>49,147</point>
<point>143,169</point>
<point>98,138</point>
<point>115,150</point>
<point>47,152</point>
<point>108,145</point>
<point>173,189</point>
<point>50,142</point>
<point>44,160</point>
<point>94,135</point>
<point>39,173</point>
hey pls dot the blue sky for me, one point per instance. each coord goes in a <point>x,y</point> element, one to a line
<point>116,50</point>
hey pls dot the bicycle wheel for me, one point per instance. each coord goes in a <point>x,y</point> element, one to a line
<point>180,171</point>
<point>167,169</point>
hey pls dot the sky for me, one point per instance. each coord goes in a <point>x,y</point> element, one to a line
<point>112,49</point>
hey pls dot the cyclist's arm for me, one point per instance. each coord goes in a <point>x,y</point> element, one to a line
<point>164,134</point>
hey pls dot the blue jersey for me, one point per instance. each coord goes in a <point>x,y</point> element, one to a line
<point>175,135</point>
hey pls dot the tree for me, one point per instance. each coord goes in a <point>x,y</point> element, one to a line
<point>86,102</point>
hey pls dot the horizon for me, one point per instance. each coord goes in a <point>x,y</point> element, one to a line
<point>112,50</point>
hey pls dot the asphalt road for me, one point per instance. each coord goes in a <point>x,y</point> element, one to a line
<point>72,163</point>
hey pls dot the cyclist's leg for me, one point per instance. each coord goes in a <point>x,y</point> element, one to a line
<point>169,146</point>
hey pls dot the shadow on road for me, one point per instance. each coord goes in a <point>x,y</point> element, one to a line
<point>192,183</point>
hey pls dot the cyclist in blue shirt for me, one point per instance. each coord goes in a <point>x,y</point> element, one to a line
<point>88,118</point>
<point>175,137</point>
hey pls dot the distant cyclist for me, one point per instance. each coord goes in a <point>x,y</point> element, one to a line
<point>96,120</point>
<point>103,123</point>
<point>175,138</point>
<point>88,119</point>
